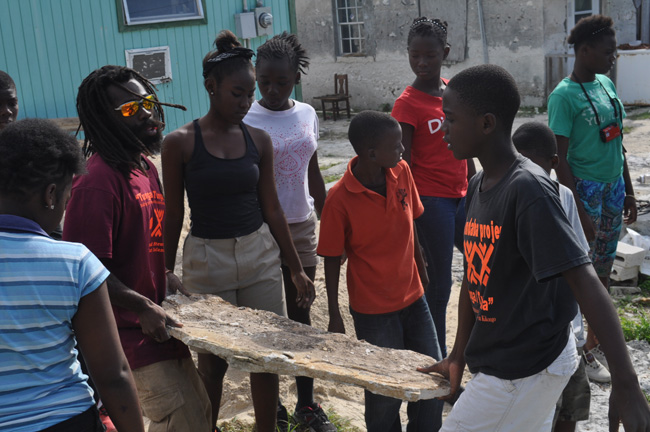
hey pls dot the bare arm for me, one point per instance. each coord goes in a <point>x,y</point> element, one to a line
<point>316,184</point>
<point>407,141</point>
<point>629,205</point>
<point>627,402</point>
<point>173,184</point>
<point>565,176</point>
<point>96,333</point>
<point>153,318</point>
<point>453,366</point>
<point>274,217</point>
<point>173,165</point>
<point>420,260</point>
<point>332,274</point>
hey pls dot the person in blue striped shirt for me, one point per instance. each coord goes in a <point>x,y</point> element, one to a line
<point>52,295</point>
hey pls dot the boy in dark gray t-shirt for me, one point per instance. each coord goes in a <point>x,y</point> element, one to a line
<point>513,329</point>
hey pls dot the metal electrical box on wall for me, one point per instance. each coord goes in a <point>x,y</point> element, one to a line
<point>245,25</point>
<point>264,21</point>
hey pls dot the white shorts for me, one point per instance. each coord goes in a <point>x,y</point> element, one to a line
<point>526,404</point>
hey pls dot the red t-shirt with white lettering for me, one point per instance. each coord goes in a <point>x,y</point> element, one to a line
<point>121,221</point>
<point>435,169</point>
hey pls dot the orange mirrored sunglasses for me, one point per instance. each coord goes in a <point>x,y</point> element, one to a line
<point>129,109</point>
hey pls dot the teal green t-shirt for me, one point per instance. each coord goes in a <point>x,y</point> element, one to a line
<point>570,115</point>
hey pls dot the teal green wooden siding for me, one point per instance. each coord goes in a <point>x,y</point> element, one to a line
<point>49,46</point>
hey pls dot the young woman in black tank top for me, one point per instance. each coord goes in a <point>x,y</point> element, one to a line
<point>217,156</point>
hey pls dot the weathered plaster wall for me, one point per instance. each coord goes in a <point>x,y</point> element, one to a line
<point>519,36</point>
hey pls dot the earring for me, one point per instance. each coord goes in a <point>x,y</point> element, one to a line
<point>51,206</point>
<point>212,93</point>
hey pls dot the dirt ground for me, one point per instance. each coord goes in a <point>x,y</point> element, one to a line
<point>334,151</point>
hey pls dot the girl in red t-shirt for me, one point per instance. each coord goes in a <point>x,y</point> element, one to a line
<point>440,178</point>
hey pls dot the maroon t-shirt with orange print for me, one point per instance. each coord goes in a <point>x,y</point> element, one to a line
<point>517,242</point>
<point>121,221</point>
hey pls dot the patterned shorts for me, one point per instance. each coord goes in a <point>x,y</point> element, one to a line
<point>603,202</point>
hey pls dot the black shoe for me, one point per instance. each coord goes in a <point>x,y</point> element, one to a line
<point>282,418</point>
<point>313,417</point>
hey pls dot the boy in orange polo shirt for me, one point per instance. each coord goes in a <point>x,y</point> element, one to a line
<point>369,214</point>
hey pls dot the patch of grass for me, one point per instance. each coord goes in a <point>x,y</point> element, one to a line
<point>639,116</point>
<point>385,107</point>
<point>332,178</point>
<point>342,425</point>
<point>635,323</point>
<point>328,166</point>
<point>645,287</point>
<point>627,130</point>
<point>530,111</point>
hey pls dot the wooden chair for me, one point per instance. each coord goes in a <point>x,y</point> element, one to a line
<point>340,95</point>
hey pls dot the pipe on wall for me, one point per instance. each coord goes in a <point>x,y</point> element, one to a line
<point>481,24</point>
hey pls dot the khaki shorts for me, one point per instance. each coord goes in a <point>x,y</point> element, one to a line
<point>244,271</point>
<point>304,239</point>
<point>173,397</point>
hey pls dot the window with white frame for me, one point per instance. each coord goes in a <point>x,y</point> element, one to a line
<point>350,27</point>
<point>158,11</point>
<point>153,63</point>
<point>584,8</point>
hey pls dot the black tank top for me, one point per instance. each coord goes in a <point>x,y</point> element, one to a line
<point>222,193</point>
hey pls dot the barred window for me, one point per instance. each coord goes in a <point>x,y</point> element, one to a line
<point>350,27</point>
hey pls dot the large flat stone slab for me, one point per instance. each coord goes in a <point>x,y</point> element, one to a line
<point>260,341</point>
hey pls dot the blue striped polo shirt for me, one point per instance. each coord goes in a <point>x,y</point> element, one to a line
<point>41,283</point>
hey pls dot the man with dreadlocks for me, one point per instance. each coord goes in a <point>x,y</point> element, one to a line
<point>117,210</point>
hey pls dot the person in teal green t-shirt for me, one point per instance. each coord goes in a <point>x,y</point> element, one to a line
<point>586,115</point>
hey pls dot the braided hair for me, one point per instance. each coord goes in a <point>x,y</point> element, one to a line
<point>591,29</point>
<point>228,57</point>
<point>6,82</point>
<point>282,46</point>
<point>104,133</point>
<point>429,28</point>
<point>35,153</point>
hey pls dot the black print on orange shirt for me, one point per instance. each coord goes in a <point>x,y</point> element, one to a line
<point>401,196</point>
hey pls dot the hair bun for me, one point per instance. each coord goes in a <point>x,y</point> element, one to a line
<point>226,41</point>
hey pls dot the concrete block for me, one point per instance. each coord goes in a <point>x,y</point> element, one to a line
<point>623,273</point>
<point>628,255</point>
<point>621,291</point>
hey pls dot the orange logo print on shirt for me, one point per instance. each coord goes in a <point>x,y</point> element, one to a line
<point>156,231</point>
<point>479,247</point>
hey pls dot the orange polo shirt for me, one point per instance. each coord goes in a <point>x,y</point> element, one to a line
<point>376,232</point>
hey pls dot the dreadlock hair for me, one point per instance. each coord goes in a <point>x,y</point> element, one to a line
<point>591,29</point>
<point>35,153</point>
<point>428,28</point>
<point>535,138</point>
<point>6,82</point>
<point>368,127</point>
<point>104,133</point>
<point>225,41</point>
<point>283,46</point>
<point>488,89</point>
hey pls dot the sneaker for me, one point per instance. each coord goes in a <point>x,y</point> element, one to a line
<point>595,371</point>
<point>313,417</point>
<point>599,355</point>
<point>106,420</point>
<point>282,421</point>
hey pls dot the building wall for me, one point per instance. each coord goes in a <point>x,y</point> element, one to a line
<point>49,46</point>
<point>519,36</point>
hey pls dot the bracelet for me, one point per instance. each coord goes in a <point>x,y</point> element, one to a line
<point>167,271</point>
<point>631,196</point>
